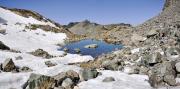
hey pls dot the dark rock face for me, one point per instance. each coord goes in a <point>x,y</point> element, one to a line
<point>41,53</point>
<point>37,81</point>
<point>3,46</point>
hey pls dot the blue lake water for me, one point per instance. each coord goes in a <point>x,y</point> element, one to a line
<point>102,48</point>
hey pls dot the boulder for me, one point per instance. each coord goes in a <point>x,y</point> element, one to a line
<point>177,67</point>
<point>50,64</point>
<point>25,69</point>
<point>59,78</point>
<point>152,33</point>
<point>8,65</point>
<point>2,31</point>
<point>87,74</point>
<point>131,69</point>
<point>67,83</point>
<point>112,65</point>
<point>74,76</point>
<point>41,53</point>
<point>108,79</point>
<point>153,58</point>
<point>162,73</point>
<point>91,46</point>
<point>77,50</point>
<point>3,46</point>
<point>138,38</point>
<point>37,81</point>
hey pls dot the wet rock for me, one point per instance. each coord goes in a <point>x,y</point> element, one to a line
<point>77,50</point>
<point>41,53</point>
<point>8,65</point>
<point>108,79</point>
<point>37,81</point>
<point>3,46</point>
<point>25,69</point>
<point>67,83</point>
<point>87,74</point>
<point>91,46</point>
<point>59,78</point>
<point>66,49</point>
<point>50,64</point>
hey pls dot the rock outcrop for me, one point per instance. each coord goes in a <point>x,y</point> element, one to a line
<point>3,46</point>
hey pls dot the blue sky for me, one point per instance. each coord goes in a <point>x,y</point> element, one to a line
<point>100,11</point>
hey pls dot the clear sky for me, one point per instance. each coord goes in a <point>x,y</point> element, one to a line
<point>100,11</point>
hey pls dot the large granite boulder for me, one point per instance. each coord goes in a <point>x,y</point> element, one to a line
<point>37,81</point>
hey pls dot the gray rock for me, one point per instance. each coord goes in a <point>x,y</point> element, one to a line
<point>3,46</point>
<point>74,76</point>
<point>133,69</point>
<point>143,70</point>
<point>19,58</point>
<point>162,73</point>
<point>153,58</point>
<point>67,83</point>
<point>59,78</point>
<point>37,81</point>
<point>87,74</point>
<point>25,69</point>
<point>2,31</point>
<point>138,38</point>
<point>8,65</point>
<point>41,53</point>
<point>177,67</point>
<point>91,46</point>
<point>156,80</point>
<point>50,64</point>
<point>59,87</point>
<point>170,79</point>
<point>108,79</point>
<point>151,33</point>
<point>112,65</point>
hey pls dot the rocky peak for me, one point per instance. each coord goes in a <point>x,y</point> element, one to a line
<point>171,4</point>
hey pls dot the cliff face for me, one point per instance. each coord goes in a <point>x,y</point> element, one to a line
<point>169,16</point>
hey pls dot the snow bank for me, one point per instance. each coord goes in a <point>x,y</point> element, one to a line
<point>122,81</point>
